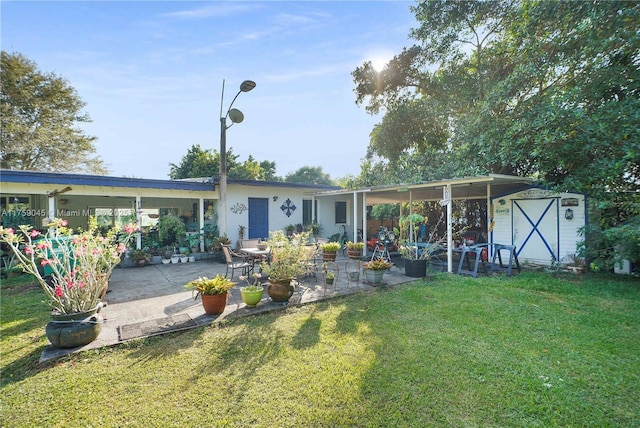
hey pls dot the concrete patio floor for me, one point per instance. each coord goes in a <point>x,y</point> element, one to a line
<point>138,294</point>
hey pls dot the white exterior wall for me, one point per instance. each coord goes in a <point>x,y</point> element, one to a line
<point>327,215</point>
<point>563,237</point>
<point>238,205</point>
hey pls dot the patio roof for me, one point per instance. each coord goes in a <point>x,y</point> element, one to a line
<point>461,188</point>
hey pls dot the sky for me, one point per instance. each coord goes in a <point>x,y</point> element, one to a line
<point>151,74</point>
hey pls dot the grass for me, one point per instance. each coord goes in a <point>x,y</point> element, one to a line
<point>532,350</point>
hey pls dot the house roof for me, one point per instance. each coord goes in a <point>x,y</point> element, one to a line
<point>198,184</point>
<point>461,188</point>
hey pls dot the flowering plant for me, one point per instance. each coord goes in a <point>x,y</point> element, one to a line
<point>287,256</point>
<point>379,264</point>
<point>253,282</point>
<point>73,270</point>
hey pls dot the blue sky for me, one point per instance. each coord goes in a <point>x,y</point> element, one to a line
<point>151,74</point>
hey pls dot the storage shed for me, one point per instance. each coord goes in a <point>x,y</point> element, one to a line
<point>543,225</point>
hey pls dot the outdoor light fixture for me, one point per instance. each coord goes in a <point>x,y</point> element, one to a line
<point>568,214</point>
<point>235,116</point>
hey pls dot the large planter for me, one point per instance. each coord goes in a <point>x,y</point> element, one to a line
<point>374,277</point>
<point>280,292</point>
<point>329,256</point>
<point>251,298</point>
<point>73,330</point>
<point>415,268</point>
<point>214,304</point>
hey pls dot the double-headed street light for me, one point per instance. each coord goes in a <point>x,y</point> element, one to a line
<point>235,116</point>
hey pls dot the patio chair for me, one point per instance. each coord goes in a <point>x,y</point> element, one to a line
<point>236,261</point>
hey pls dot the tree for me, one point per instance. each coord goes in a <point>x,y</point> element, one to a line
<point>39,124</point>
<point>310,175</point>
<point>196,163</point>
<point>542,89</point>
<point>206,163</point>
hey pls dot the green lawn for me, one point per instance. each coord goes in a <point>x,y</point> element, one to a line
<point>533,350</point>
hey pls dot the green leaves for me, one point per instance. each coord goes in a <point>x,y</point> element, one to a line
<point>40,113</point>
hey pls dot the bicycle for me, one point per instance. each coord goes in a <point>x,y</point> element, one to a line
<point>344,239</point>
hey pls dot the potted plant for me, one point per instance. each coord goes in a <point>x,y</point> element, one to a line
<point>354,249</point>
<point>316,228</point>
<point>416,255</point>
<point>214,292</point>
<point>76,275</point>
<point>287,263</point>
<point>374,270</point>
<point>184,255</point>
<point>194,242</point>
<point>329,251</point>
<point>139,257</point>
<point>354,275</point>
<point>171,230</point>
<point>289,229</point>
<point>252,293</point>
<point>329,275</point>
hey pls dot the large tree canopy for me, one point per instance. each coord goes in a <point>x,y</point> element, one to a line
<point>309,175</point>
<point>537,88</point>
<point>206,163</point>
<point>39,122</point>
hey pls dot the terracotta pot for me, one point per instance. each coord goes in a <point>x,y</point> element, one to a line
<point>280,292</point>
<point>77,329</point>
<point>214,304</point>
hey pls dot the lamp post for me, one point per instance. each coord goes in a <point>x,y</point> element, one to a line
<point>235,116</point>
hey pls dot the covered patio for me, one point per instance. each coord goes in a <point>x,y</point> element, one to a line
<point>442,191</point>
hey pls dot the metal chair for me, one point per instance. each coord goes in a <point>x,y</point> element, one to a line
<point>236,261</point>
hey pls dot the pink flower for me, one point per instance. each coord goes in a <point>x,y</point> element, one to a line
<point>129,229</point>
<point>69,284</point>
<point>34,233</point>
<point>82,284</point>
<point>9,231</point>
<point>58,291</point>
<point>41,245</point>
<point>121,248</point>
<point>28,250</point>
<point>44,262</point>
<point>63,222</point>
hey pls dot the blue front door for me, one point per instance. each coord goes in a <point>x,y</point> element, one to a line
<point>258,218</point>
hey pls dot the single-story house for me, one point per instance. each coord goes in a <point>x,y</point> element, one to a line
<point>257,207</point>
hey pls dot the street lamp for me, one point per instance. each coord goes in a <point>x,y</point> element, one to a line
<point>235,116</point>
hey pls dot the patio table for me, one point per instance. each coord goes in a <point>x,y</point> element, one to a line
<point>257,255</point>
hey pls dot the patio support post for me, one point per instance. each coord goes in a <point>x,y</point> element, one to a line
<point>201,223</point>
<point>355,216</point>
<point>139,221</point>
<point>364,222</point>
<point>447,199</point>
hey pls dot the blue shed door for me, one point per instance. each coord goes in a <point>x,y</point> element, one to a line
<point>258,218</point>
<point>535,229</point>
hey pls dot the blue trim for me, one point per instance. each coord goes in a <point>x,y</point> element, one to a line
<point>535,226</point>
<point>36,177</point>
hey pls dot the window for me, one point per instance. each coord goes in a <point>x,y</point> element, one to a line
<point>341,212</point>
<point>307,211</point>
